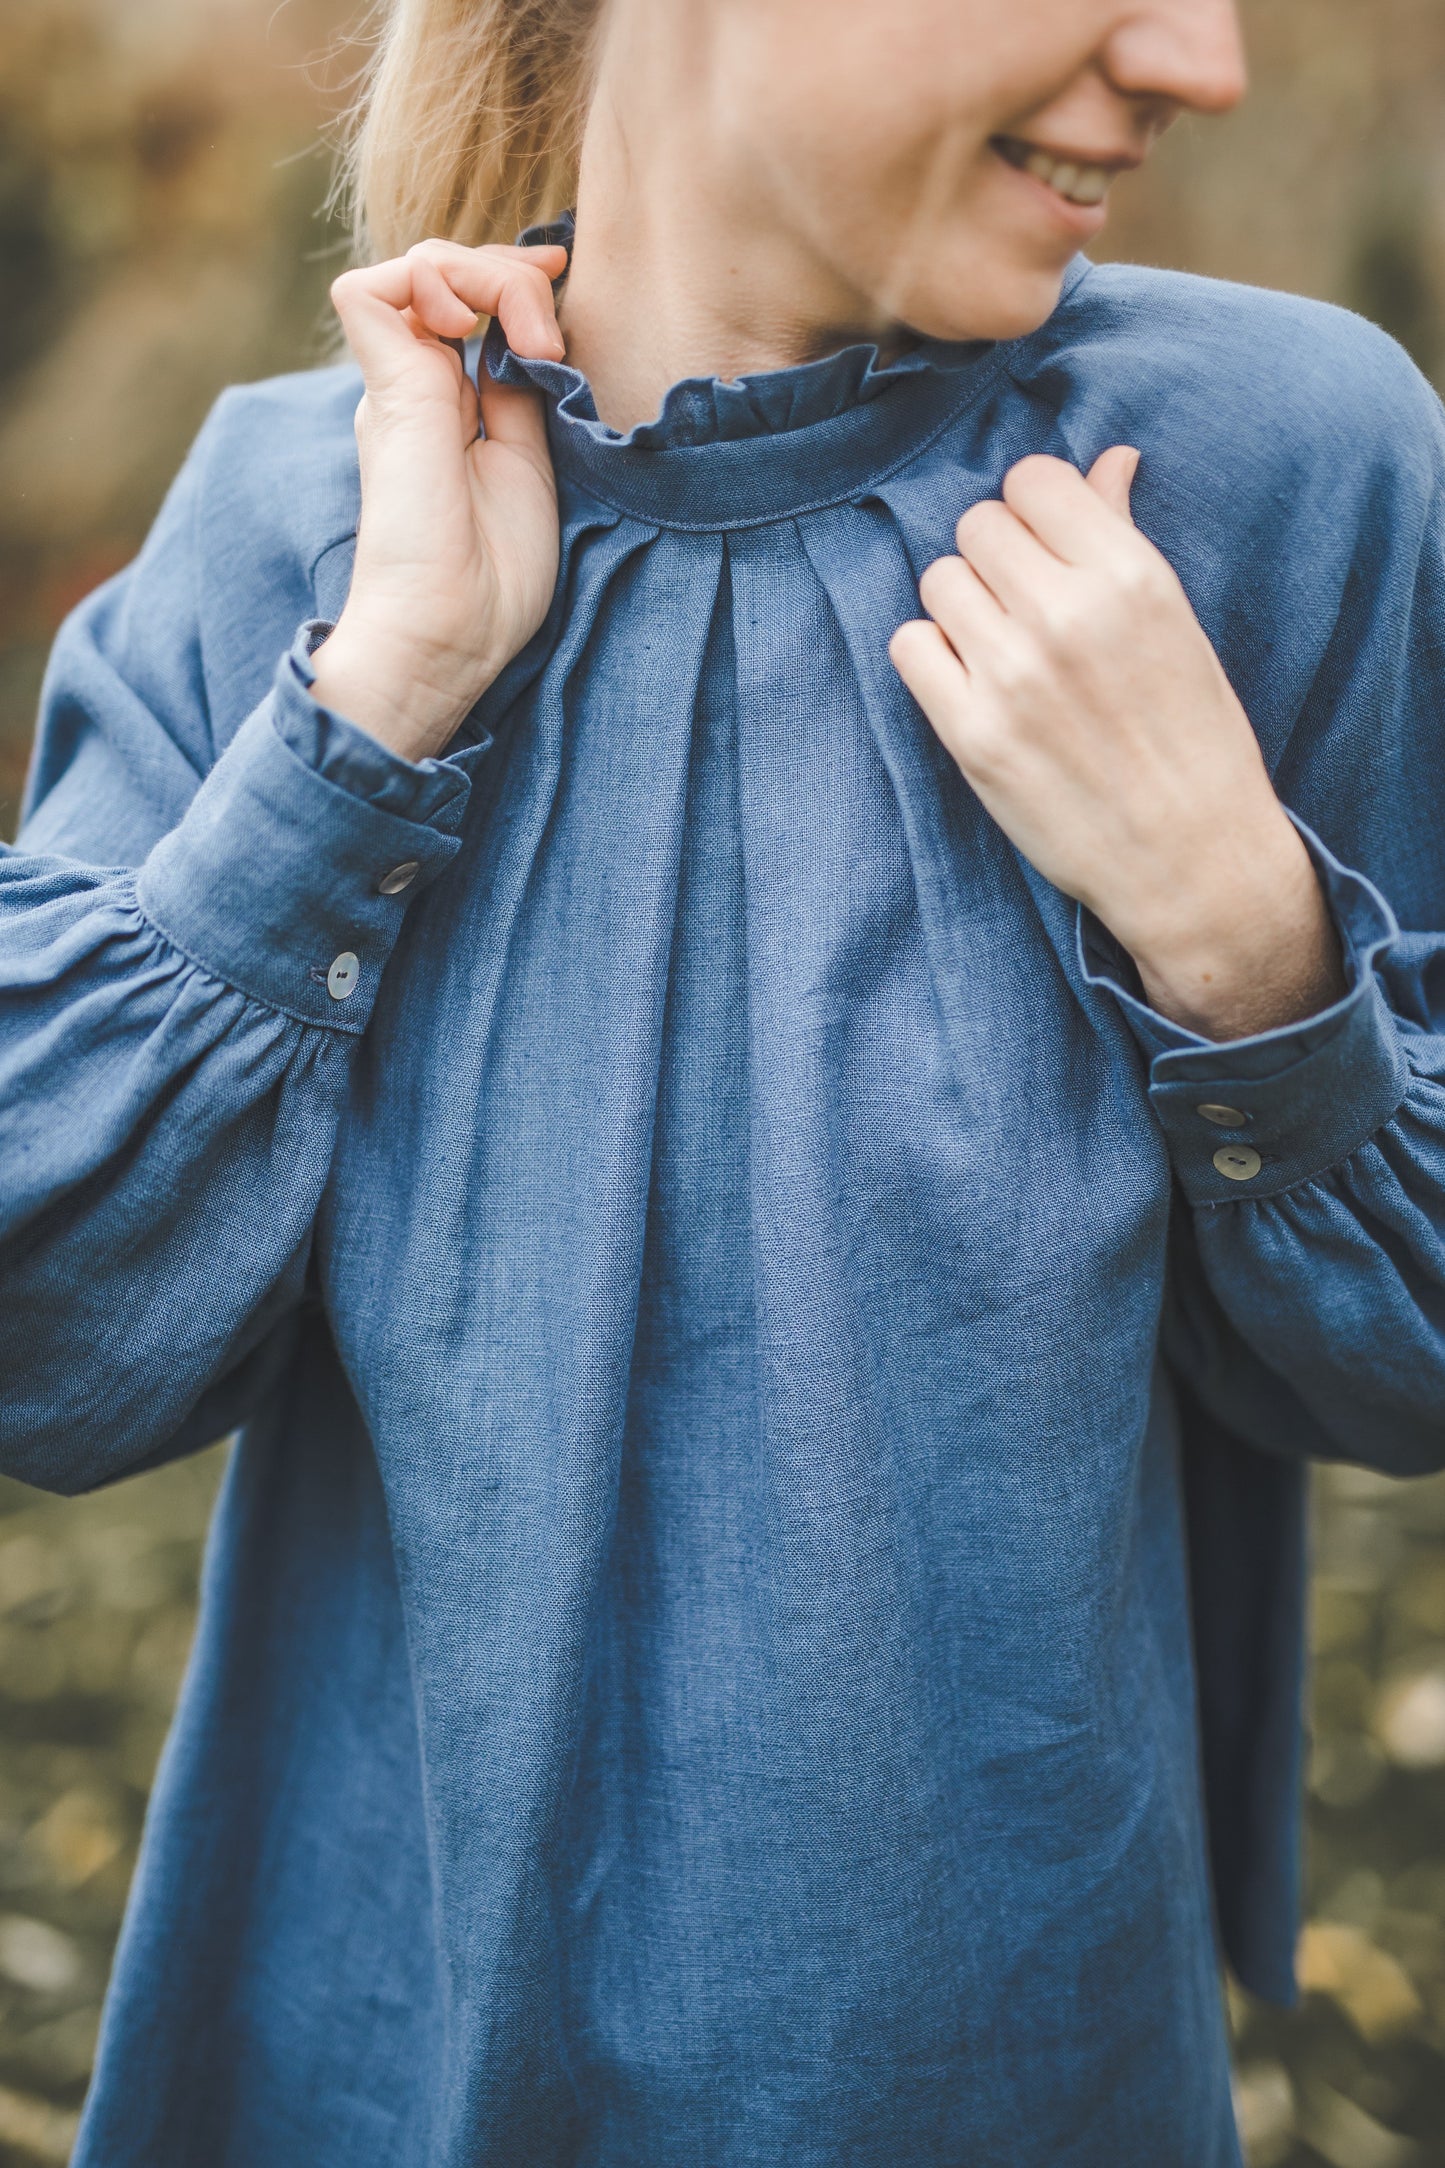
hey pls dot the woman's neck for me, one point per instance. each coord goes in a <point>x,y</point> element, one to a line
<point>680,266</point>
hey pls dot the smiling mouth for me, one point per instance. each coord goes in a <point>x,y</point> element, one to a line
<point>1070,178</point>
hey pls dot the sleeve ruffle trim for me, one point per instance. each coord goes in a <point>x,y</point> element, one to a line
<point>1305,1094</point>
<point>351,758</point>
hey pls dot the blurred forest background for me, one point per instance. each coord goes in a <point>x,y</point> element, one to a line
<point>162,177</point>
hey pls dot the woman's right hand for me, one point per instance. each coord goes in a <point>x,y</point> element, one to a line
<point>456,554</point>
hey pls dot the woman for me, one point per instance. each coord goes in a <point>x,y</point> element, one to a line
<point>777,1180</point>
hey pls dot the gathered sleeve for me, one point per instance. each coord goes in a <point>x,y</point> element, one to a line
<point>1307,1301</point>
<point>190,947</point>
<point>1311,1164</point>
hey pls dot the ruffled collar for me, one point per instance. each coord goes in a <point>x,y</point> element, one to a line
<point>761,447</point>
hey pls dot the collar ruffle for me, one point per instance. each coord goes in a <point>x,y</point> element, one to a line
<point>760,447</point>
<point>711,410</point>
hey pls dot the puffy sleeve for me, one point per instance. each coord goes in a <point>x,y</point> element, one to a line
<point>190,947</point>
<point>1307,1306</point>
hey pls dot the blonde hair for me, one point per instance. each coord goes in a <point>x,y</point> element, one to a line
<point>468,122</point>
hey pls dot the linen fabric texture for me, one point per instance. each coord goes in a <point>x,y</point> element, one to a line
<point>756,1613</point>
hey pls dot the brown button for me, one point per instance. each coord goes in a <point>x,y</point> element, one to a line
<point>1239,1162</point>
<point>1222,1117</point>
<point>400,877</point>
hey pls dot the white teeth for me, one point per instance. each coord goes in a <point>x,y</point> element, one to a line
<point>1077,184</point>
<point>1092,185</point>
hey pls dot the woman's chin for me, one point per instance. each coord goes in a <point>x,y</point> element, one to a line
<point>985,300</point>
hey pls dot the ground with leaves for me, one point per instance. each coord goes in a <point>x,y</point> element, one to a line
<point>97,1604</point>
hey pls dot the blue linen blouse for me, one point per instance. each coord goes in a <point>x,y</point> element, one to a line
<point>755,1617</point>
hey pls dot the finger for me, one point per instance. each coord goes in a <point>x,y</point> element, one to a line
<point>446,287</point>
<point>958,601</point>
<point>478,274</point>
<point>382,329</point>
<point>932,672</point>
<point>512,414</point>
<point>435,300</point>
<point>1112,477</point>
<point>1055,502</point>
<point>410,287</point>
<point>1018,570</point>
<point>421,330</point>
<point>512,283</point>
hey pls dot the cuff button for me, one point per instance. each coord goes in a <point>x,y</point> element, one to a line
<point>342,977</point>
<point>1222,1117</point>
<point>1238,1162</point>
<point>400,877</point>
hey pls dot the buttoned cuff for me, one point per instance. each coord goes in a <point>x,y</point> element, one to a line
<point>293,868</point>
<point>1249,1117</point>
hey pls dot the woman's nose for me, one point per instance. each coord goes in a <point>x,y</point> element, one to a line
<point>1187,52</point>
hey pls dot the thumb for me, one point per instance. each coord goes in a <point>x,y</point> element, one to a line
<point>1112,478</point>
<point>512,414</point>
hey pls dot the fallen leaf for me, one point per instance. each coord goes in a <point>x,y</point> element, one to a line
<point>1376,1993</point>
<point>75,1837</point>
<point>1409,1720</point>
<point>1345,2136</point>
<point>37,1956</point>
<point>33,2127</point>
<point>1264,2112</point>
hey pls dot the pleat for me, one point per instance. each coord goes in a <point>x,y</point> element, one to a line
<point>553,944</point>
<point>913,1189</point>
<point>1010,1006</point>
<point>1006,423</point>
<point>949,1480</point>
<point>830,968</point>
<point>453,960</point>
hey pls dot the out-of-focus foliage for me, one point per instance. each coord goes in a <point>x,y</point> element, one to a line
<point>1356,2078</point>
<point>97,1603</point>
<point>161,235</point>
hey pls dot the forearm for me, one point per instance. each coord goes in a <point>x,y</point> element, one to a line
<point>1309,1164</point>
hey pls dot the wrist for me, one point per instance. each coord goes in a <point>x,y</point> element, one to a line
<point>1246,945</point>
<point>411,698</point>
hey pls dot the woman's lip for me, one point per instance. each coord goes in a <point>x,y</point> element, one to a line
<point>1116,161</point>
<point>1078,219</point>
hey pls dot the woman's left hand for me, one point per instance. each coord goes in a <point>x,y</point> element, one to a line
<point>1067,674</point>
